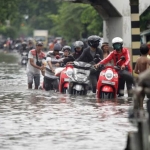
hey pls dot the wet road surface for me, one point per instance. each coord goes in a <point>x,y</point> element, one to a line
<point>40,120</point>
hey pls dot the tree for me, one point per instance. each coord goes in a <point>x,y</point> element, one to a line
<point>8,10</point>
<point>75,20</point>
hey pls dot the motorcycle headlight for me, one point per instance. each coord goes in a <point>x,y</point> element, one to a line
<point>69,72</point>
<point>109,74</point>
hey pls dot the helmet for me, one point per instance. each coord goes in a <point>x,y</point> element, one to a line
<point>78,44</point>
<point>117,40</point>
<point>57,47</point>
<point>66,47</point>
<point>93,41</point>
<point>24,43</point>
<point>117,43</point>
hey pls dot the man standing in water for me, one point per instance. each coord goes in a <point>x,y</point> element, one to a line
<point>35,65</point>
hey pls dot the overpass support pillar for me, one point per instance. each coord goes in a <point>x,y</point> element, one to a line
<point>117,27</point>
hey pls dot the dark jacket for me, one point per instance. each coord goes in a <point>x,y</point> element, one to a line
<point>77,54</point>
<point>87,57</point>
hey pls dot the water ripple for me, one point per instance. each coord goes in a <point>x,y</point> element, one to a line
<point>36,119</point>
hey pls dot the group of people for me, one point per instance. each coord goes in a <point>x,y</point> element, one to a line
<point>39,62</point>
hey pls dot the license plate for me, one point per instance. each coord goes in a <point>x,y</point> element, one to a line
<point>66,79</point>
<point>108,82</point>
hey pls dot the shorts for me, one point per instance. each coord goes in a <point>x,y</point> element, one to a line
<point>36,77</point>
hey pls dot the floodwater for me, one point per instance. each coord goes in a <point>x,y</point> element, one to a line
<point>40,120</point>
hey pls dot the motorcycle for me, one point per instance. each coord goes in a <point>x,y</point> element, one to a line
<point>24,58</point>
<point>64,75</point>
<point>79,78</point>
<point>107,84</point>
<point>55,60</point>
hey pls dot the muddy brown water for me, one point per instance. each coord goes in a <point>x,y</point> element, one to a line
<point>41,120</point>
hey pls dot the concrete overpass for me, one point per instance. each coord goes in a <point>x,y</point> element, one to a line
<point>120,18</point>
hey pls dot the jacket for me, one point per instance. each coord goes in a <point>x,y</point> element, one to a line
<point>87,57</point>
<point>115,56</point>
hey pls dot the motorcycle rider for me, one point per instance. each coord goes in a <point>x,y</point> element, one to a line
<point>66,55</point>
<point>23,47</point>
<point>66,51</point>
<point>89,54</point>
<point>78,48</point>
<point>50,80</point>
<point>126,70</point>
<point>30,45</point>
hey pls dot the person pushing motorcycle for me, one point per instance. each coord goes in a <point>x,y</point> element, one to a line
<point>125,72</point>
<point>89,55</point>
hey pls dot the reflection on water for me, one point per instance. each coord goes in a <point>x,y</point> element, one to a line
<point>36,119</point>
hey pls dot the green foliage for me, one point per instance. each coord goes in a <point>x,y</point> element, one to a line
<point>91,18</point>
<point>75,20</point>
<point>8,31</point>
<point>8,9</point>
<point>72,21</point>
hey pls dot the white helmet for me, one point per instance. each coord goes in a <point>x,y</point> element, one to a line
<point>117,40</point>
<point>117,43</point>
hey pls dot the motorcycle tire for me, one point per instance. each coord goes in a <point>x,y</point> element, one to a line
<point>107,95</point>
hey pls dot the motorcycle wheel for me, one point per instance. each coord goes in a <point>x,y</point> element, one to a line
<point>79,92</point>
<point>107,95</point>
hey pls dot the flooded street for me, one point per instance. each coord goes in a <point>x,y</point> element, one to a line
<point>40,120</point>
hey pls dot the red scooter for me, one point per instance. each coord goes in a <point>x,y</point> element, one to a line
<point>64,78</point>
<point>107,84</point>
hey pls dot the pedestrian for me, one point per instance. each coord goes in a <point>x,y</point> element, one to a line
<point>35,65</point>
<point>142,64</point>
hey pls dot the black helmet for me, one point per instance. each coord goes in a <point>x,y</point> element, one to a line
<point>57,47</point>
<point>78,44</point>
<point>66,47</point>
<point>93,41</point>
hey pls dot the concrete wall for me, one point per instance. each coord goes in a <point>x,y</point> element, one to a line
<point>119,26</point>
<point>143,5</point>
<point>122,6</point>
